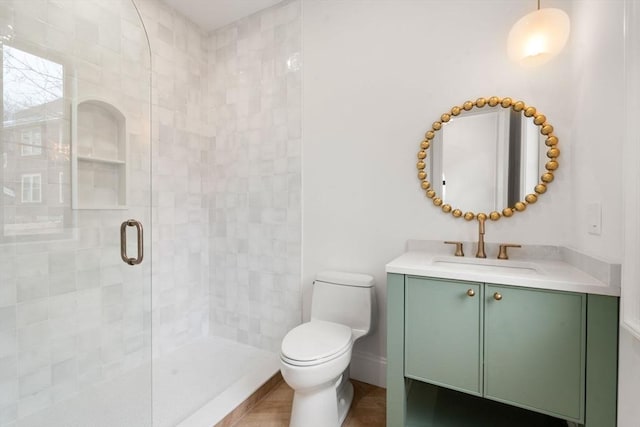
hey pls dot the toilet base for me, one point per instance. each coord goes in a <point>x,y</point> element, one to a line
<point>325,407</point>
<point>344,400</point>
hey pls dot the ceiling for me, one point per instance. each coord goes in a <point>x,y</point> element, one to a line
<point>212,14</point>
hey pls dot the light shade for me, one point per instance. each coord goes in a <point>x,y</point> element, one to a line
<point>538,36</point>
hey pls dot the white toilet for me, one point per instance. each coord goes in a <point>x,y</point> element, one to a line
<point>315,356</point>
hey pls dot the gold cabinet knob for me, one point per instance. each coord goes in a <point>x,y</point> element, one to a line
<point>497,296</point>
<point>471,292</point>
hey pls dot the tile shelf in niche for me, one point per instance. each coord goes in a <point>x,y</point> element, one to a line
<point>99,151</point>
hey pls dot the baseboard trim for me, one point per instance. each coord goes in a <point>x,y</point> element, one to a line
<point>369,368</point>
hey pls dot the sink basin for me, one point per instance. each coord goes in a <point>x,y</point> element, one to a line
<point>496,266</point>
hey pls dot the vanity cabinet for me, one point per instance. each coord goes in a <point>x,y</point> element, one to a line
<point>534,343</point>
<point>521,346</point>
<point>526,349</point>
<point>447,313</point>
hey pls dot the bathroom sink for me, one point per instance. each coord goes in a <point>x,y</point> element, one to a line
<point>495,266</point>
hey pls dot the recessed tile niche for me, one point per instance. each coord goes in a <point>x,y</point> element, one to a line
<point>101,154</point>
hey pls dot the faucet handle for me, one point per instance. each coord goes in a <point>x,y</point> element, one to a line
<point>502,252</point>
<point>459,251</point>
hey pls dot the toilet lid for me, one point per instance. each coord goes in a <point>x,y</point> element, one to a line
<point>315,340</point>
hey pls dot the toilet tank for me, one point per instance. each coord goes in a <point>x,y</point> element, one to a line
<point>345,298</point>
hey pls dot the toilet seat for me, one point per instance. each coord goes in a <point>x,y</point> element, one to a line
<point>315,342</point>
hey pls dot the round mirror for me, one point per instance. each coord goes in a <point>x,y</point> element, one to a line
<point>491,157</point>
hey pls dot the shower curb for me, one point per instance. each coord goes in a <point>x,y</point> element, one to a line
<point>242,409</point>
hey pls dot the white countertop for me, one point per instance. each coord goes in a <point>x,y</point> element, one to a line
<point>534,273</point>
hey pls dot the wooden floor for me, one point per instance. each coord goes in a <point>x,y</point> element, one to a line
<point>368,408</point>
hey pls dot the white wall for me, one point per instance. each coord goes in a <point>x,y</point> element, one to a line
<point>629,363</point>
<point>596,157</point>
<point>378,73</point>
<point>629,380</point>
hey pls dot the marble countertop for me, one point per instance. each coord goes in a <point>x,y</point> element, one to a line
<point>559,272</point>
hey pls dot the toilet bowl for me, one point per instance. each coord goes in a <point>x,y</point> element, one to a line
<point>315,356</point>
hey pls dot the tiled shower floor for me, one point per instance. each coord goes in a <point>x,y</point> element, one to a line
<point>194,386</point>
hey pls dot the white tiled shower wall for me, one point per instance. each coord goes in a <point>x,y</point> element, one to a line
<point>227,176</point>
<point>181,149</point>
<point>255,91</point>
<point>71,312</point>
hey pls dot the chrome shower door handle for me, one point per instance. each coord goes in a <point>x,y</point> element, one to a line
<point>123,242</point>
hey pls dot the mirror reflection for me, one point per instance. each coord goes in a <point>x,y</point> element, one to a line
<point>486,159</point>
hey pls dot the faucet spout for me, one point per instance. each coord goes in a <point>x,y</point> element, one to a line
<point>480,252</point>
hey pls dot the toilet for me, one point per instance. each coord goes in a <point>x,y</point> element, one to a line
<point>315,356</point>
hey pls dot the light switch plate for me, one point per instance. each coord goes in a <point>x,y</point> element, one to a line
<point>594,218</point>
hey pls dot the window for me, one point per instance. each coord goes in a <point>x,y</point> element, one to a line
<point>35,123</point>
<point>31,142</point>
<point>32,188</point>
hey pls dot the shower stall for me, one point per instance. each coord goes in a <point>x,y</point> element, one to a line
<point>150,210</point>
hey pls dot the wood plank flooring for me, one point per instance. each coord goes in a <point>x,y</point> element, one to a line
<point>274,410</point>
<point>271,407</point>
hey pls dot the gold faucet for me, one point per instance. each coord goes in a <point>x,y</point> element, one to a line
<point>480,252</point>
<point>459,251</point>
<point>502,253</point>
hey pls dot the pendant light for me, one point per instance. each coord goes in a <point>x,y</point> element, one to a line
<point>538,36</point>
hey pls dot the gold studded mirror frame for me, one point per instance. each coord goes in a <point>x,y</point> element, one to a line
<point>546,129</point>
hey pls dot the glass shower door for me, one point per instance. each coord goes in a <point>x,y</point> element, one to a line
<point>75,213</point>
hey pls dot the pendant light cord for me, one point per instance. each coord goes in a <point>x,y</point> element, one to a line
<point>538,4</point>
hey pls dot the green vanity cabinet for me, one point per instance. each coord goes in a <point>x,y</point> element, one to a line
<point>552,352</point>
<point>534,343</point>
<point>448,313</point>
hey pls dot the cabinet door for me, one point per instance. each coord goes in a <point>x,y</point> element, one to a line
<point>443,324</point>
<point>534,349</point>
